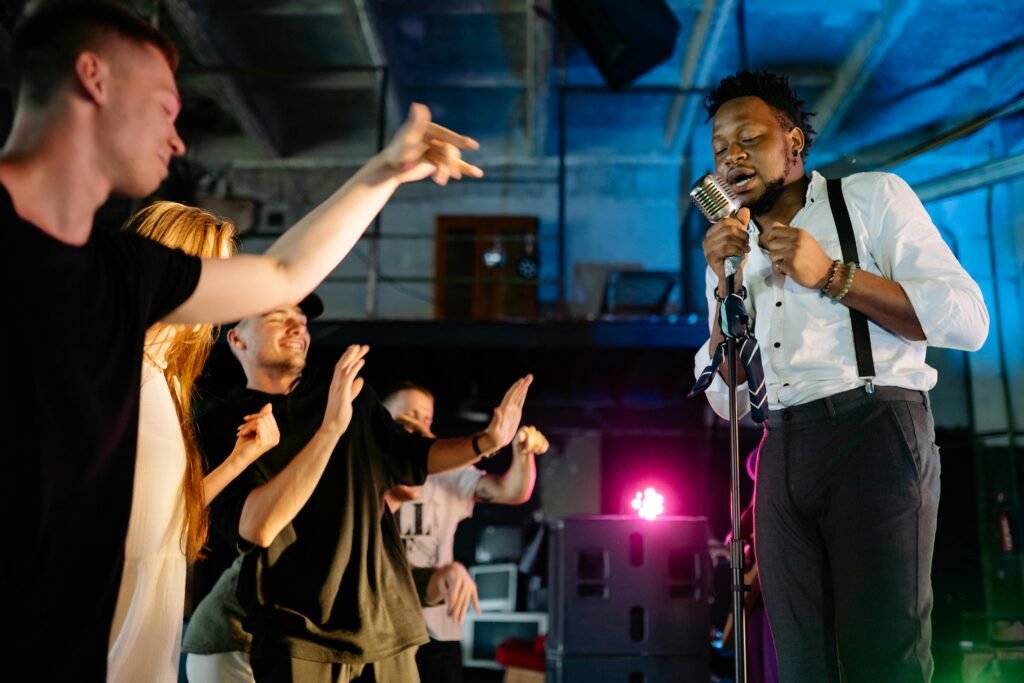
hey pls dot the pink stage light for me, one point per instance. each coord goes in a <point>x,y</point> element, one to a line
<point>649,503</point>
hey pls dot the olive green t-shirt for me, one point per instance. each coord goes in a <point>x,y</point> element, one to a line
<point>334,586</point>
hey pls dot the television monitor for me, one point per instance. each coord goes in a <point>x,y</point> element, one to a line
<point>483,633</point>
<point>499,544</point>
<point>496,586</point>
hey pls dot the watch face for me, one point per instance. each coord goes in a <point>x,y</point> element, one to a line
<point>528,268</point>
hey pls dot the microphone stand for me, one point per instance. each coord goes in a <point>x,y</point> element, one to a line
<point>716,200</point>
<point>739,587</point>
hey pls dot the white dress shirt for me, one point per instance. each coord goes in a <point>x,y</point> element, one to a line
<point>806,340</point>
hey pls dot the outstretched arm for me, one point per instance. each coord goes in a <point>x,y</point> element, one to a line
<point>247,284</point>
<point>450,454</point>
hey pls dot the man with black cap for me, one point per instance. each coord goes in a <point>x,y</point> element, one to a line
<point>326,587</point>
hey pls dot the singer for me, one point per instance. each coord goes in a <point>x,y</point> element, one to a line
<point>848,472</point>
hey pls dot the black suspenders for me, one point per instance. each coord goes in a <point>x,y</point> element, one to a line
<point>859,323</point>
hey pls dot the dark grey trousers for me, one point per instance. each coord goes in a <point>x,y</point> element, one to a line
<point>844,525</point>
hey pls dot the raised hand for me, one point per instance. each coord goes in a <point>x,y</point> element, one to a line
<point>345,386</point>
<point>529,441</point>
<point>422,148</point>
<point>507,416</point>
<point>797,255</point>
<point>257,434</point>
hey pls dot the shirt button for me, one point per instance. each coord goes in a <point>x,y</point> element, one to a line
<point>777,344</point>
<point>778,303</point>
<point>786,384</point>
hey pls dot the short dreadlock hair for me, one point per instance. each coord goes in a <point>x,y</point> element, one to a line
<point>774,89</point>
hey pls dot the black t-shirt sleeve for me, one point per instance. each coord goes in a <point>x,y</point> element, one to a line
<point>404,453</point>
<point>164,278</point>
<point>216,433</point>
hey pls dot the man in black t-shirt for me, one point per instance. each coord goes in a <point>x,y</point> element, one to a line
<point>327,589</point>
<point>95,106</point>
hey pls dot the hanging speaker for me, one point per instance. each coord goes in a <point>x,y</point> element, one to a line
<point>623,39</point>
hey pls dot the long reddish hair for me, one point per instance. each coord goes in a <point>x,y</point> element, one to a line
<point>198,233</point>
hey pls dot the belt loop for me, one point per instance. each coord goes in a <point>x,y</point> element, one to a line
<point>830,407</point>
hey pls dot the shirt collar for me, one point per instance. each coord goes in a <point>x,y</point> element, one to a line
<point>816,189</point>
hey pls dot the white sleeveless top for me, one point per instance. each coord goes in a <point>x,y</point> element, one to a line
<point>145,639</point>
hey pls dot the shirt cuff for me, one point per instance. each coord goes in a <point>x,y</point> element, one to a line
<point>718,392</point>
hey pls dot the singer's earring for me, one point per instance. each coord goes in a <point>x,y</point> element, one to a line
<point>796,153</point>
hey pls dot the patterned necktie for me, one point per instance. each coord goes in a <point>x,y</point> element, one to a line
<point>735,323</point>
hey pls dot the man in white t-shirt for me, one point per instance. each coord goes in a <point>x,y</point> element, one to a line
<point>428,515</point>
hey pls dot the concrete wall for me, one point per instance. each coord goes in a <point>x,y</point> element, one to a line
<point>624,213</point>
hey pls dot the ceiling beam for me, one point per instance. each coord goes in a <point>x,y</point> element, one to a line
<point>856,71</point>
<point>540,42</point>
<point>374,46</point>
<point>454,7</point>
<point>905,146</point>
<point>288,8</point>
<point>983,175</point>
<point>229,93</point>
<point>284,78</point>
<point>701,55</point>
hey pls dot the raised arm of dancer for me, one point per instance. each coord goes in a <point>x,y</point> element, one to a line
<point>450,454</point>
<point>257,435</point>
<point>271,507</point>
<point>247,284</point>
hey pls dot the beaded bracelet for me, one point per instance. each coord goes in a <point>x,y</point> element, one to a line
<point>831,277</point>
<point>852,269</point>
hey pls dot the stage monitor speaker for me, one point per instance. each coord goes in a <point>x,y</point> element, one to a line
<point>629,587</point>
<point>623,39</point>
<point>628,669</point>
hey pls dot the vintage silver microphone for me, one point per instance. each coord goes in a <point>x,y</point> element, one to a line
<point>716,200</point>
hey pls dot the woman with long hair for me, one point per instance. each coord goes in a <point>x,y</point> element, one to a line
<point>169,523</point>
